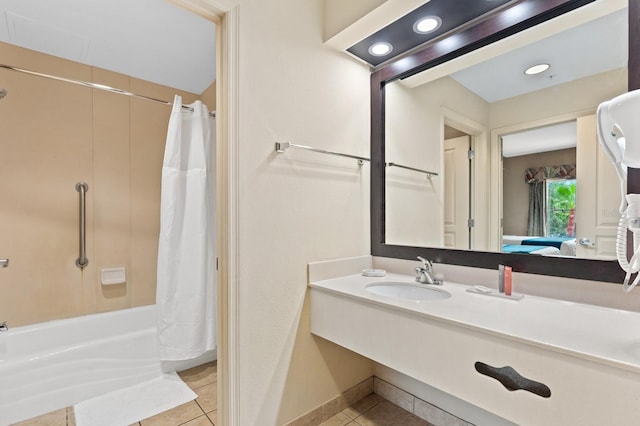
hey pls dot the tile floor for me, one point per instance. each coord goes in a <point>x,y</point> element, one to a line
<point>200,412</point>
<point>373,410</point>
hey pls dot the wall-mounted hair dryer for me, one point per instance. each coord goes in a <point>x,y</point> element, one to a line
<point>618,127</point>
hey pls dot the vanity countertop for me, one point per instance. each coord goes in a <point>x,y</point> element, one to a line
<point>604,335</point>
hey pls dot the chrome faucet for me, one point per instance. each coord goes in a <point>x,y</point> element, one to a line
<point>4,326</point>
<point>424,273</point>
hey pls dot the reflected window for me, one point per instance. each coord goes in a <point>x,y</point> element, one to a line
<point>560,208</point>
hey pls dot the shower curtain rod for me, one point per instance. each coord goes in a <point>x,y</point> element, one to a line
<point>95,86</point>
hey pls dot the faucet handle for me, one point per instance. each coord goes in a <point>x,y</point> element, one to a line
<point>426,263</point>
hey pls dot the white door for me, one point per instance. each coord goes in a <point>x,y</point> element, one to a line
<point>597,196</point>
<point>456,192</point>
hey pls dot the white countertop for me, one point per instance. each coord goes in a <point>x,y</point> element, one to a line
<point>605,335</point>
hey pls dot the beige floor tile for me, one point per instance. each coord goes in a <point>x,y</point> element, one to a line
<point>363,405</point>
<point>55,418</point>
<point>387,414</point>
<point>177,416</point>
<point>207,398</point>
<point>201,375</point>
<point>339,419</point>
<point>213,416</point>
<point>200,421</point>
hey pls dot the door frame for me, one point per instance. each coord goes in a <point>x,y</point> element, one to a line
<point>469,186</point>
<point>496,165</point>
<point>479,172</point>
<point>226,15</point>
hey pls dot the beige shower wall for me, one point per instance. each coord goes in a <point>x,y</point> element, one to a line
<point>56,134</point>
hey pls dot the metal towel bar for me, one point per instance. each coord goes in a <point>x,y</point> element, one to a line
<point>428,173</point>
<point>283,146</point>
<point>82,260</point>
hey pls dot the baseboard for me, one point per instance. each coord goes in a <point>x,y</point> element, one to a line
<point>420,408</point>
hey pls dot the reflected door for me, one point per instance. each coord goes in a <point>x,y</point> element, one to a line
<point>597,196</point>
<point>456,198</point>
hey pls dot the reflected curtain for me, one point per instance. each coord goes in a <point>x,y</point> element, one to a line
<point>535,221</point>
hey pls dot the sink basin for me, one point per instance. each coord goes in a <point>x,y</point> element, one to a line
<point>407,291</point>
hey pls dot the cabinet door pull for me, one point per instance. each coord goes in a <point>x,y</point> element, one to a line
<point>512,380</point>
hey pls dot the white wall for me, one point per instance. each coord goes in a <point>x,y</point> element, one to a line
<point>295,207</point>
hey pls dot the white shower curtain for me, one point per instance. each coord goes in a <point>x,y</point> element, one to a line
<point>186,283</point>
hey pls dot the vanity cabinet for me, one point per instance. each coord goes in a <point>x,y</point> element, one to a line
<point>443,353</point>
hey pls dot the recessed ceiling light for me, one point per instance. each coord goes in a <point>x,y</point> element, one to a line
<point>380,49</point>
<point>537,69</point>
<point>427,25</point>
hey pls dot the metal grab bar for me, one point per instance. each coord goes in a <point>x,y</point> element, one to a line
<point>428,173</point>
<point>82,261</point>
<point>282,147</point>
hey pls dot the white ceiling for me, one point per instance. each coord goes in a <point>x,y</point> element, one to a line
<point>541,139</point>
<point>597,46</point>
<point>153,40</point>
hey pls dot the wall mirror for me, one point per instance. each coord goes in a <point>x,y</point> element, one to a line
<point>461,136</point>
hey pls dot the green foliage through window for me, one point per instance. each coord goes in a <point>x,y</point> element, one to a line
<point>561,207</point>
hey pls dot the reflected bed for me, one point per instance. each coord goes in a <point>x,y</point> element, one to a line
<point>565,246</point>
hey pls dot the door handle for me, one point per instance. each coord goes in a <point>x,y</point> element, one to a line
<point>512,380</point>
<point>586,242</point>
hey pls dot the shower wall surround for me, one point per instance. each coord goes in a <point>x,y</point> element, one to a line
<point>53,135</point>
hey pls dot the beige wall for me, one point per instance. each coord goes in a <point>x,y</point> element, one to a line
<point>296,207</point>
<point>413,136</point>
<point>516,190</point>
<point>55,134</point>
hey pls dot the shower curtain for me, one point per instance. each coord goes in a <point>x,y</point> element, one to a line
<point>186,281</point>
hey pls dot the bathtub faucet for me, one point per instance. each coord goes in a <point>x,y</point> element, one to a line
<point>4,326</point>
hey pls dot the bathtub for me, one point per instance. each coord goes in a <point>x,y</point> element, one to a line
<point>56,364</point>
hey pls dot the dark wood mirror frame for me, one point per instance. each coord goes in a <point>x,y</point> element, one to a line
<point>488,31</point>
